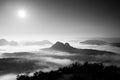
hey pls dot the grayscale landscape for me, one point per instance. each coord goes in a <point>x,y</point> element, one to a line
<point>41,38</point>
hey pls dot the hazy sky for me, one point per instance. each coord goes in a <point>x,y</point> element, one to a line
<point>59,19</point>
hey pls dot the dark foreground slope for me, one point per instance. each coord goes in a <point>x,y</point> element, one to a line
<point>87,71</point>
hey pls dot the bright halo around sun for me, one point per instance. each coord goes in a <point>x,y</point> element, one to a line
<point>22,13</point>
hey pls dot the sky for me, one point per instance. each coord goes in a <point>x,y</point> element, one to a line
<point>59,19</point>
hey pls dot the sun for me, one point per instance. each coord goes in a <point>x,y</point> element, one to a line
<point>21,13</point>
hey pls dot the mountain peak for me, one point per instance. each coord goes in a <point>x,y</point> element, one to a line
<point>58,45</point>
<point>67,44</point>
<point>61,46</point>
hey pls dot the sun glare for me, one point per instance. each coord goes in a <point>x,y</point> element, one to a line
<point>22,13</point>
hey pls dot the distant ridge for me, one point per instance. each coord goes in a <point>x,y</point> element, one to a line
<point>44,42</point>
<point>4,42</point>
<point>100,43</point>
<point>59,46</point>
<point>115,44</point>
<point>94,42</point>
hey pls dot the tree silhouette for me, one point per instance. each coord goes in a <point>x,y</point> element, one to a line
<point>76,71</point>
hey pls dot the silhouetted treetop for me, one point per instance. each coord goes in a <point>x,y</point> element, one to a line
<point>76,71</point>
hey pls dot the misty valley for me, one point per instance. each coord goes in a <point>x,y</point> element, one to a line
<point>59,40</point>
<point>45,56</point>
